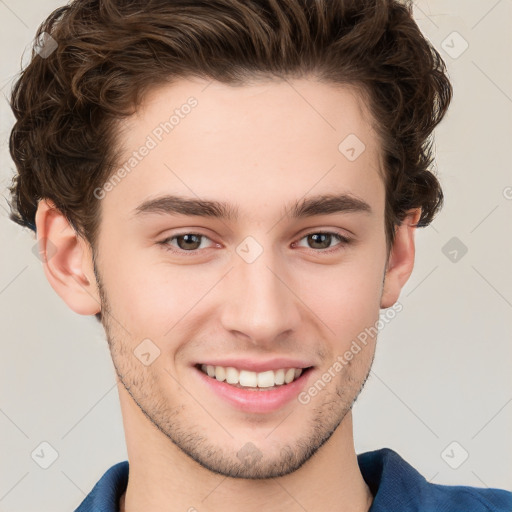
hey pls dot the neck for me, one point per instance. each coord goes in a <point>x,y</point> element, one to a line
<point>163,478</point>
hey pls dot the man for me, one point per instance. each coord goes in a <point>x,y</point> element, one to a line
<point>287,142</point>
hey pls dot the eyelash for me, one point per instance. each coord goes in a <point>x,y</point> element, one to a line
<point>342,239</point>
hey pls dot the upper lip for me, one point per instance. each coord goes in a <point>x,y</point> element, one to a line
<point>259,365</point>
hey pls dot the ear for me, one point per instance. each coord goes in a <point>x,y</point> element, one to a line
<point>67,260</point>
<point>401,259</point>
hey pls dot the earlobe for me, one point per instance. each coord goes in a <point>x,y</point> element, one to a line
<point>67,260</point>
<point>401,259</point>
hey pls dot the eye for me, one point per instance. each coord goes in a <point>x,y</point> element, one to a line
<point>321,241</point>
<point>192,242</point>
<point>186,242</point>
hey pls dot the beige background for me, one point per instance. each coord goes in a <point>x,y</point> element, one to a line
<point>442,369</point>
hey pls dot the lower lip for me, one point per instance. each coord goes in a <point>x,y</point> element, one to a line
<point>256,401</point>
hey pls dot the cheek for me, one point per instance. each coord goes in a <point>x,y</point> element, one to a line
<point>345,297</point>
<point>151,297</point>
<point>133,290</point>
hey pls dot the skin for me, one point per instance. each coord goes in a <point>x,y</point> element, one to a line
<point>259,147</point>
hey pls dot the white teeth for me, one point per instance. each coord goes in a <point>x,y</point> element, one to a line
<point>279,377</point>
<point>220,373</point>
<point>289,375</point>
<point>246,378</point>
<point>231,375</point>
<point>265,379</point>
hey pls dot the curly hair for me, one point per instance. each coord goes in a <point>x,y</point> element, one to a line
<point>109,53</point>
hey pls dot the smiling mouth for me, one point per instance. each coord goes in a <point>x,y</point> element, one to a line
<point>245,379</point>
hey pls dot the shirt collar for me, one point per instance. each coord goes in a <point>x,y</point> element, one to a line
<point>384,471</point>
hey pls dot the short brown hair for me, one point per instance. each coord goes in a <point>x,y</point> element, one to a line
<point>110,52</point>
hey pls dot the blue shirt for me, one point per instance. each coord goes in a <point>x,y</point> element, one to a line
<point>395,485</point>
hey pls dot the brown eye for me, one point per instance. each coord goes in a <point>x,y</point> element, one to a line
<point>184,243</point>
<point>188,241</point>
<point>321,241</point>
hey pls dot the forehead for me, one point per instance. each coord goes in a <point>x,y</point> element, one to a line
<point>274,140</point>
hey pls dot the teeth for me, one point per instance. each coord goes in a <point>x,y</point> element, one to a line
<point>279,377</point>
<point>246,378</point>
<point>220,373</point>
<point>289,375</point>
<point>231,375</point>
<point>265,379</point>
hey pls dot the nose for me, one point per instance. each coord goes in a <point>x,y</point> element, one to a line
<point>259,302</point>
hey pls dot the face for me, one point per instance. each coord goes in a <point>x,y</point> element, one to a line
<point>182,287</point>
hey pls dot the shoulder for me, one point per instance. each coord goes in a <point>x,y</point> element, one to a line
<point>396,485</point>
<point>454,497</point>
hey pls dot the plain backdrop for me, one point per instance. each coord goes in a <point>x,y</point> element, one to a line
<point>440,392</point>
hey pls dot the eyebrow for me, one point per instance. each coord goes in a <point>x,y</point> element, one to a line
<point>325,204</point>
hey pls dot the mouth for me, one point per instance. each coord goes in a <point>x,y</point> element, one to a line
<point>252,392</point>
<point>253,381</point>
